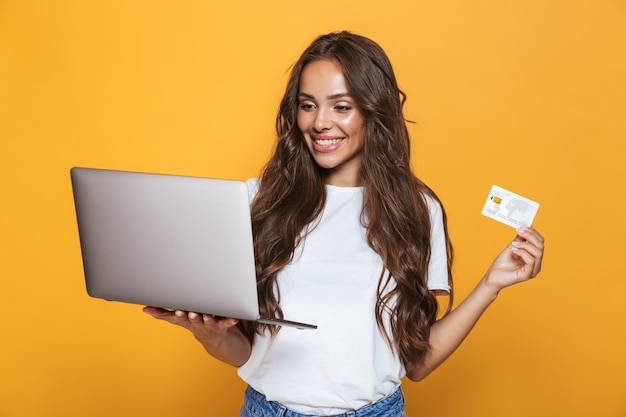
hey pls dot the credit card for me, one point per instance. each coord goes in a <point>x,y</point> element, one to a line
<point>509,208</point>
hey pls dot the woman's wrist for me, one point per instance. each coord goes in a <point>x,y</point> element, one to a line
<point>491,290</point>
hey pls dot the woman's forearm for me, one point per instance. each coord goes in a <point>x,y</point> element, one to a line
<point>519,261</point>
<point>449,332</point>
<point>220,336</point>
<point>233,349</point>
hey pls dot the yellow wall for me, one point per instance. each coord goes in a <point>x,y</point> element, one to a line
<point>529,95</point>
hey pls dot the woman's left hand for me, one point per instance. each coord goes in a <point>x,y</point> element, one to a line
<point>519,261</point>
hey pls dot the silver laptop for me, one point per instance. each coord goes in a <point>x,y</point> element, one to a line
<point>168,241</point>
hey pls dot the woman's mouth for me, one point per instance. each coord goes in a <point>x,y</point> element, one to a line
<point>327,142</point>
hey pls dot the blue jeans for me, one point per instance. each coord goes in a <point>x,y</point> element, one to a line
<point>255,405</point>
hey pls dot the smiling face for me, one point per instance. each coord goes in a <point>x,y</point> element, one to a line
<point>331,122</point>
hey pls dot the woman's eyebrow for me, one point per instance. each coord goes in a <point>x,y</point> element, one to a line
<point>330,97</point>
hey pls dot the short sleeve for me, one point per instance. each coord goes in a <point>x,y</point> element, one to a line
<point>253,188</point>
<point>438,266</point>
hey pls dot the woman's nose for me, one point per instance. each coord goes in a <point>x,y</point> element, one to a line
<point>323,120</point>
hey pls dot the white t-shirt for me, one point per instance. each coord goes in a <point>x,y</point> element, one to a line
<point>332,281</point>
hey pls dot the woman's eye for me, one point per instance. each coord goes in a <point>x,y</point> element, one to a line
<point>307,106</point>
<point>343,108</point>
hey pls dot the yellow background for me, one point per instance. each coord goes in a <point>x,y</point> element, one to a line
<point>529,95</point>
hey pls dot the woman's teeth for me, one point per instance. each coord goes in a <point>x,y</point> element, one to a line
<point>327,142</point>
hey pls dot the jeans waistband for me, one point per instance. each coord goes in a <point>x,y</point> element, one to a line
<point>256,405</point>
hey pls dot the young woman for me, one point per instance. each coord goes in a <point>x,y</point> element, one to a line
<point>348,238</point>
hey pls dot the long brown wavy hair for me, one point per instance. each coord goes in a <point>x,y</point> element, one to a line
<point>395,212</point>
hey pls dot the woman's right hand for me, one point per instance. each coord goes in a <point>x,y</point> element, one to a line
<point>218,335</point>
<point>205,327</point>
